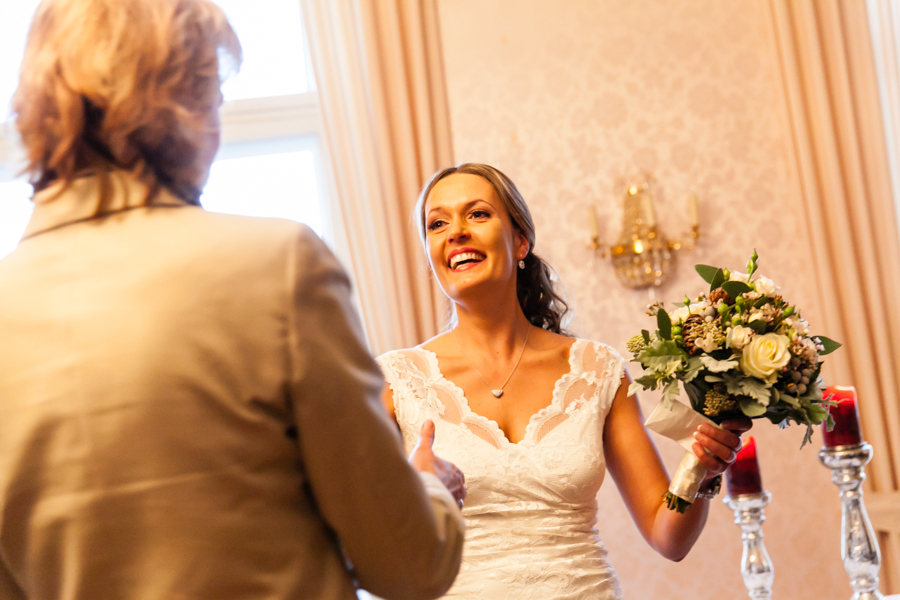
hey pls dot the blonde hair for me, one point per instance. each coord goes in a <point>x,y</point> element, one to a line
<point>126,82</point>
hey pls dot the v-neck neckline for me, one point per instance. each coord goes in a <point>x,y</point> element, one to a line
<point>527,438</point>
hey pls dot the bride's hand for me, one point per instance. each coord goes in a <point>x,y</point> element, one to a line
<point>718,448</point>
<point>424,460</point>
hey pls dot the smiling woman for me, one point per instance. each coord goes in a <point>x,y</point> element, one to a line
<point>493,193</point>
<point>531,415</point>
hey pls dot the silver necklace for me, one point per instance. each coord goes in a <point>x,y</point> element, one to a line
<point>498,391</point>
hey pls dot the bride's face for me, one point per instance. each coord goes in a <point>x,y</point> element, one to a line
<point>472,244</point>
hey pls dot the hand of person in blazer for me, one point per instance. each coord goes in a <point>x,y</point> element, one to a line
<point>423,459</point>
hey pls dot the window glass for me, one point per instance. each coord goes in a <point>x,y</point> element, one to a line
<point>15,210</point>
<point>281,183</point>
<point>271,34</point>
<point>13,30</point>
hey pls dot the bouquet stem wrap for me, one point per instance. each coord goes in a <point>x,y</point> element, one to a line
<point>679,422</point>
<point>685,483</point>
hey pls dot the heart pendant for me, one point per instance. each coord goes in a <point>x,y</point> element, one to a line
<point>497,393</point>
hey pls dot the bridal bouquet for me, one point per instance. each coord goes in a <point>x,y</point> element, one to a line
<point>739,350</point>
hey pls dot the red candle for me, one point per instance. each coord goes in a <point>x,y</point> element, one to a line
<point>846,430</point>
<point>742,477</point>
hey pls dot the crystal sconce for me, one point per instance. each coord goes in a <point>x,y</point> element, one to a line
<point>643,256</point>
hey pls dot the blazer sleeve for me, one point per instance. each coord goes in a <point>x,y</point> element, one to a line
<point>403,538</point>
<point>9,590</point>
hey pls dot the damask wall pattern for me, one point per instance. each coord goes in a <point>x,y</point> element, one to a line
<point>567,96</point>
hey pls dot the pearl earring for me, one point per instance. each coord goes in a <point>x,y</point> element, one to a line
<point>521,264</point>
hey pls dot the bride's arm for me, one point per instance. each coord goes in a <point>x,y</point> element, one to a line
<point>387,398</point>
<point>635,465</point>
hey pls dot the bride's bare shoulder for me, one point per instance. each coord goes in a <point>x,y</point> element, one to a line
<point>438,344</point>
<point>550,340</point>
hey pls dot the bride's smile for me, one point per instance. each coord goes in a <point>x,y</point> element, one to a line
<point>471,240</point>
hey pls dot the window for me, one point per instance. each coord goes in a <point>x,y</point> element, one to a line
<point>270,162</point>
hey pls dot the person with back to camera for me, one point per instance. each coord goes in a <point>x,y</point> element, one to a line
<point>187,407</point>
<point>531,415</point>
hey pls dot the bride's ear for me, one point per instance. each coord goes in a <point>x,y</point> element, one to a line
<point>522,246</point>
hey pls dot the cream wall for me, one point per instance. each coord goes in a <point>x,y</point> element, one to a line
<point>564,97</point>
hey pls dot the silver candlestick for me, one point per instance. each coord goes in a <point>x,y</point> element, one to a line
<point>756,566</point>
<point>859,546</point>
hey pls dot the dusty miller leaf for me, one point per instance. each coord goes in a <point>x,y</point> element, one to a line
<point>718,366</point>
<point>693,368</point>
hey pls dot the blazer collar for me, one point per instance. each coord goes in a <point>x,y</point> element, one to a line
<point>81,201</point>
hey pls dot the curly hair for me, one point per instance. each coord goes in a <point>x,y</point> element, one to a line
<point>129,83</point>
<point>543,306</point>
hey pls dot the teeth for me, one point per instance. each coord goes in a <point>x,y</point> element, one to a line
<point>465,256</point>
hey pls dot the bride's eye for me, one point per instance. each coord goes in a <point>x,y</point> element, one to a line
<point>436,224</point>
<point>481,214</point>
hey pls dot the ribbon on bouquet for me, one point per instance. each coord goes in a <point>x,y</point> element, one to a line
<point>679,422</point>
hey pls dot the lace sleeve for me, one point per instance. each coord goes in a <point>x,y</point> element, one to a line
<point>608,368</point>
<point>386,363</point>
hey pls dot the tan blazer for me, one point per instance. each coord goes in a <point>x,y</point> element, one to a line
<point>187,410</point>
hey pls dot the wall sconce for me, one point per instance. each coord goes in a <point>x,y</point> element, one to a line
<point>643,256</point>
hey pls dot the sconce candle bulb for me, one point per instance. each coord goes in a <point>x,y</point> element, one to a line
<point>693,216</point>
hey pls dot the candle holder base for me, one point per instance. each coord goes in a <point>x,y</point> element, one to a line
<point>756,566</point>
<point>859,546</point>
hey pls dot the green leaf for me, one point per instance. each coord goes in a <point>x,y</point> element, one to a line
<point>788,399</point>
<point>759,325</point>
<point>718,366</point>
<point>670,393</point>
<point>736,288</point>
<point>707,272</point>
<point>663,357</point>
<point>665,325</point>
<point>646,335</point>
<point>693,368</point>
<point>829,344</point>
<point>647,382</point>
<point>718,280</point>
<point>739,384</point>
<point>636,387</point>
<point>807,437</point>
<point>752,408</point>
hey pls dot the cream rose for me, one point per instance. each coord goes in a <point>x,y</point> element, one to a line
<point>739,337</point>
<point>765,355</point>
<point>742,277</point>
<point>766,287</point>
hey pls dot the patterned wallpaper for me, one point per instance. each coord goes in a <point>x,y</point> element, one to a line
<point>567,96</point>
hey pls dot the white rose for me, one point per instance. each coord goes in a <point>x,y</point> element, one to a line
<point>742,277</point>
<point>766,287</point>
<point>765,355</point>
<point>739,337</point>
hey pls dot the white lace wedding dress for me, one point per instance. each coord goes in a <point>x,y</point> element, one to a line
<point>531,507</point>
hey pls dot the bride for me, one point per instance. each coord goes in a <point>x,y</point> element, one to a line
<point>532,416</point>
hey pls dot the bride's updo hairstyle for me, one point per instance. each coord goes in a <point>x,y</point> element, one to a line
<point>127,84</point>
<point>542,305</point>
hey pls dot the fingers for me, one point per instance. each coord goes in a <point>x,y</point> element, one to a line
<point>426,433</point>
<point>716,448</point>
<point>738,426</point>
<point>453,479</point>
